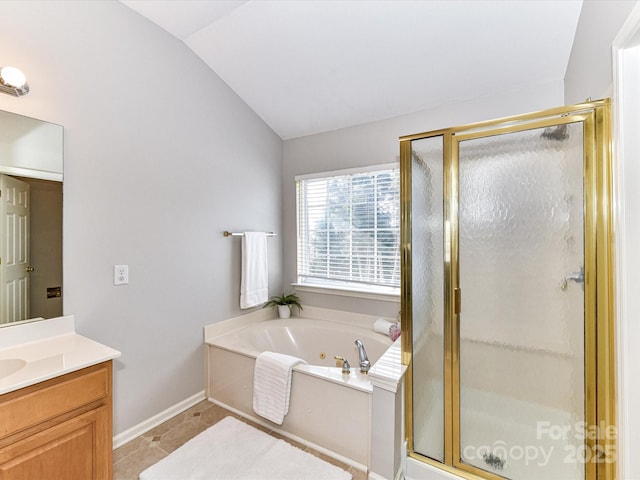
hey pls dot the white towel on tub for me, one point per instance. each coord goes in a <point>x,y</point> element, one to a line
<point>254,284</point>
<point>272,385</point>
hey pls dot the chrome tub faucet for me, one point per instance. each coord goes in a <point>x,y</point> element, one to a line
<point>365,364</point>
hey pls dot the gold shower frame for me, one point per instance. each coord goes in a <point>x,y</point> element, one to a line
<point>599,315</point>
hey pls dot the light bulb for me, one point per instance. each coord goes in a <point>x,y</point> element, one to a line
<point>13,77</point>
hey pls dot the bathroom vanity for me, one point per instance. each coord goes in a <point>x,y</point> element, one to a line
<point>55,404</point>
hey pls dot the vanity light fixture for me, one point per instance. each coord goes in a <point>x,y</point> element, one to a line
<point>13,82</point>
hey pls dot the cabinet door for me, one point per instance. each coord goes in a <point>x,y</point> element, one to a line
<point>72,450</point>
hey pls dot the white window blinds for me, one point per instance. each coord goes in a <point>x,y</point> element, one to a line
<point>349,229</point>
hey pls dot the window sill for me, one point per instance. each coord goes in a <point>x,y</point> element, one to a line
<point>347,292</point>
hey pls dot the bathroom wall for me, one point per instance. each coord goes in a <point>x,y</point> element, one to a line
<point>590,72</point>
<point>377,143</point>
<point>160,157</point>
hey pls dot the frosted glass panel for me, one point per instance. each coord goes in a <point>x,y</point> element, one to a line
<point>522,323</point>
<point>428,296</point>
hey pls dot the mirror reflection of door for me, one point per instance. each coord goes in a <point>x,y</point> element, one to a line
<point>14,248</point>
<point>37,293</point>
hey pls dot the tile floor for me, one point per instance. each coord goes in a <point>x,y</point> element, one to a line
<point>132,458</point>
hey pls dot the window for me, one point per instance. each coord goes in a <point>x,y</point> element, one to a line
<point>349,229</point>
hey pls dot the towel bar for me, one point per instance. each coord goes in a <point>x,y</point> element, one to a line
<point>240,234</point>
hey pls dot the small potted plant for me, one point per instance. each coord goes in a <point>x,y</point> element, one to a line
<point>285,304</point>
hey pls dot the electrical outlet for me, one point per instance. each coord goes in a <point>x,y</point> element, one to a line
<point>120,274</point>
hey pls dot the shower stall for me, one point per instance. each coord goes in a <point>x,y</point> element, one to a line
<point>507,294</point>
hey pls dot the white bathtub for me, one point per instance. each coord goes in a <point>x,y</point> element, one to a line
<point>328,410</point>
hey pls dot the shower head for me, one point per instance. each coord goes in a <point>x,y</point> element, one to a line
<point>558,133</point>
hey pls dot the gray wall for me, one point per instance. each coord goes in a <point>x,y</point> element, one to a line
<point>377,143</point>
<point>589,71</point>
<point>160,158</point>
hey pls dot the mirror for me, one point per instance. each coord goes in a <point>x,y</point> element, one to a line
<point>31,154</point>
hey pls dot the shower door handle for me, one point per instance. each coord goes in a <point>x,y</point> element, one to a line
<point>577,277</point>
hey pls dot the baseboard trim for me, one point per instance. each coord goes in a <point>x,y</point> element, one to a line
<point>375,476</point>
<point>143,427</point>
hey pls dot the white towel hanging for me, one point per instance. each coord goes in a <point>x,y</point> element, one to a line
<point>254,284</point>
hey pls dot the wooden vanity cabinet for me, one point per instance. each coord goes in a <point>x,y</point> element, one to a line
<point>60,429</point>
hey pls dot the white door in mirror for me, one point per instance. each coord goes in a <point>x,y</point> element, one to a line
<point>14,249</point>
<point>120,274</point>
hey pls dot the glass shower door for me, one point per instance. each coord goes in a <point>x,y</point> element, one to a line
<point>427,306</point>
<point>521,338</point>
<point>507,296</point>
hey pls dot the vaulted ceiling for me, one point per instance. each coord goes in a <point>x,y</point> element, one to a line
<point>307,66</point>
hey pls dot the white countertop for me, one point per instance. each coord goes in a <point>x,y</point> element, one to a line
<point>48,356</point>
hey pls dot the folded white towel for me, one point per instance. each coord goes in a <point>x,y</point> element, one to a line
<point>272,385</point>
<point>254,284</point>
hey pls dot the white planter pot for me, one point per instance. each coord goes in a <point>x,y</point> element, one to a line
<point>284,311</point>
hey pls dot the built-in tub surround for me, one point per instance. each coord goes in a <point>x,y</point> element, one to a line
<point>328,410</point>
<point>387,421</point>
<point>33,352</point>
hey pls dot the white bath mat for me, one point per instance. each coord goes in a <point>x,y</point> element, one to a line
<point>233,450</point>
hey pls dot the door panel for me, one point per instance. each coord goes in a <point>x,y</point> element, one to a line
<point>14,249</point>
<point>427,176</point>
<point>521,340</point>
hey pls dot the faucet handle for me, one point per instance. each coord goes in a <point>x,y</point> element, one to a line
<point>346,368</point>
